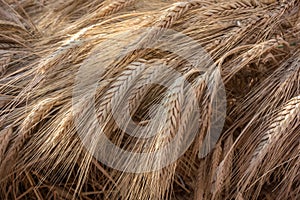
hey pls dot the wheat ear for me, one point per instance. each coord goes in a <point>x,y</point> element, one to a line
<point>167,19</point>
<point>229,155</point>
<point>5,136</point>
<point>289,112</point>
<point>38,112</point>
<point>239,196</point>
<point>278,124</point>
<point>177,115</point>
<point>173,105</point>
<point>223,173</point>
<point>151,75</point>
<point>33,118</point>
<point>164,22</point>
<point>215,161</point>
<point>119,88</point>
<point>169,124</point>
<point>268,1</point>
<point>114,7</point>
<point>201,181</point>
<point>202,178</point>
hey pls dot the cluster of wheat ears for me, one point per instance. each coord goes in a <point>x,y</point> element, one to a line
<point>253,46</point>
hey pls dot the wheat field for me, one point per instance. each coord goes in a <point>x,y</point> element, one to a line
<point>201,96</point>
